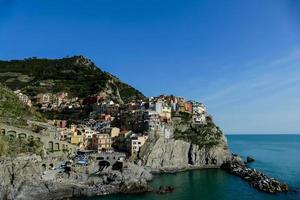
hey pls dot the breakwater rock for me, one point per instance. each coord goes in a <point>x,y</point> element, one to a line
<point>250,159</point>
<point>255,178</point>
<point>165,189</point>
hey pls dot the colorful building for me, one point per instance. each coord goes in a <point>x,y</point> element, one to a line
<point>188,107</point>
<point>76,138</point>
<point>104,142</point>
<point>137,142</point>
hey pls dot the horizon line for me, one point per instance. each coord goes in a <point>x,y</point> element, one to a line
<point>262,133</point>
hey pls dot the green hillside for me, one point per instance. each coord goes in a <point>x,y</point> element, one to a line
<point>12,110</point>
<point>76,75</point>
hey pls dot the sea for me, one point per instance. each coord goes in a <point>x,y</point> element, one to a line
<point>276,155</point>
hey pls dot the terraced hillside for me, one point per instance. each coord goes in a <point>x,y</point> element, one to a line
<point>13,111</point>
<point>77,75</point>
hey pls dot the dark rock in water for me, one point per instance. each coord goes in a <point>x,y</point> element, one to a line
<point>165,189</point>
<point>257,179</point>
<point>250,159</point>
<point>135,188</point>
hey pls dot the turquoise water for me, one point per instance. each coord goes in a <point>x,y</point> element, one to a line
<point>276,155</point>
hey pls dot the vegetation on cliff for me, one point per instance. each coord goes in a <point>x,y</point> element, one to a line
<point>10,146</point>
<point>12,110</point>
<point>204,135</point>
<point>76,75</point>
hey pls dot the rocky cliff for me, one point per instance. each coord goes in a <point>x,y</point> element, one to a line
<point>25,178</point>
<point>201,146</point>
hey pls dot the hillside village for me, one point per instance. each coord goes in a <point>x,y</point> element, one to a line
<point>113,127</point>
<point>69,129</point>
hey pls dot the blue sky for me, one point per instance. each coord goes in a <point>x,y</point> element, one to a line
<point>241,58</point>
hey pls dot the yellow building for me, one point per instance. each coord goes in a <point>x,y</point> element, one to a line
<point>104,142</point>
<point>166,112</point>
<point>76,138</point>
<point>115,132</point>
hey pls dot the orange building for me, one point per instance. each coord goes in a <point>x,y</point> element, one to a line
<point>188,106</point>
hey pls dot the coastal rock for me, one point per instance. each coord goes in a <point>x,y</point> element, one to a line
<point>250,159</point>
<point>169,154</point>
<point>165,189</point>
<point>27,179</point>
<point>174,155</point>
<point>255,178</point>
<point>188,146</point>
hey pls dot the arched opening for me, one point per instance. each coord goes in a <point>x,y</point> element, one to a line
<point>56,146</point>
<point>100,158</point>
<point>22,136</point>
<point>44,166</point>
<point>206,160</point>
<point>2,132</point>
<point>50,145</point>
<point>12,134</point>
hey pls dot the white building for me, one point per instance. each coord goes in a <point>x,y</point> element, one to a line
<point>199,119</point>
<point>159,106</point>
<point>88,133</point>
<point>198,108</point>
<point>153,119</point>
<point>137,142</point>
<point>23,98</point>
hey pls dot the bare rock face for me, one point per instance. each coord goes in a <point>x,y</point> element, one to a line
<point>173,155</point>
<point>193,145</point>
<point>168,154</point>
<point>210,157</point>
<point>16,173</point>
<point>26,178</point>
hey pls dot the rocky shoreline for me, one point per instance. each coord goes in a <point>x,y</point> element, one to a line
<point>26,178</point>
<point>255,178</point>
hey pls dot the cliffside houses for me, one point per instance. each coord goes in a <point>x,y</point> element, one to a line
<point>137,141</point>
<point>23,98</point>
<point>127,127</point>
<point>153,119</point>
<point>110,126</point>
<point>104,142</point>
<point>57,101</point>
